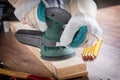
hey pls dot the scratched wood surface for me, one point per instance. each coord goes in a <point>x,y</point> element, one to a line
<point>105,67</point>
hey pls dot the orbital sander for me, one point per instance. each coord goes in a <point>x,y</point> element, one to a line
<point>56,18</point>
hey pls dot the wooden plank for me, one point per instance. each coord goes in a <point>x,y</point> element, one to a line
<point>64,69</point>
<point>17,57</point>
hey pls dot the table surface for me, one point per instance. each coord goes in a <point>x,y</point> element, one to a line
<point>105,67</point>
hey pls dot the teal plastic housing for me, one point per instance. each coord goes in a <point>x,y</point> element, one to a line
<point>53,34</point>
<point>41,11</point>
<point>80,37</point>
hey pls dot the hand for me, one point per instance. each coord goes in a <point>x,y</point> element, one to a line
<point>36,17</point>
<point>31,12</point>
<point>80,27</point>
<point>82,30</point>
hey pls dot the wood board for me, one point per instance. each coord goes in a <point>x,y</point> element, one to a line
<point>64,69</point>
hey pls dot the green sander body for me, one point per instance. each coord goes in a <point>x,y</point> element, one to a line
<point>56,18</point>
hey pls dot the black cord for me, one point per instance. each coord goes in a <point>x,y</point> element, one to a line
<point>58,3</point>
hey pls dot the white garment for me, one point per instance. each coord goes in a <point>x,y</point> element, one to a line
<point>83,13</point>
